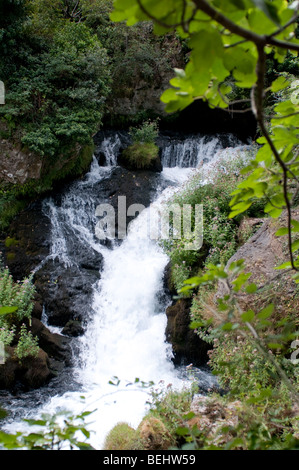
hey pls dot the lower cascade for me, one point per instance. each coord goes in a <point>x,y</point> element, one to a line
<point>123,349</point>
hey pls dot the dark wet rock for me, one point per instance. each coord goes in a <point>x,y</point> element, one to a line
<point>37,311</point>
<point>55,345</point>
<point>138,187</point>
<point>66,292</point>
<point>167,281</point>
<point>187,346</point>
<point>27,241</point>
<point>28,373</point>
<point>54,355</point>
<point>73,328</point>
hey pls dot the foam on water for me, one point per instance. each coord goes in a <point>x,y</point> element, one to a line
<point>125,338</point>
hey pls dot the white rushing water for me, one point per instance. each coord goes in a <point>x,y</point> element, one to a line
<point>125,338</point>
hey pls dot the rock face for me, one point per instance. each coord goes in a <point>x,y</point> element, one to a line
<point>187,346</point>
<point>27,242</point>
<point>17,166</point>
<point>20,167</point>
<point>262,253</point>
<point>211,416</point>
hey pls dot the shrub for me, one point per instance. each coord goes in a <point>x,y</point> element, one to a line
<point>170,406</point>
<point>56,96</point>
<point>146,133</point>
<point>121,437</point>
<point>7,335</point>
<point>12,325</point>
<point>219,231</point>
<point>141,155</point>
<point>27,345</point>
<point>18,295</point>
<point>61,431</point>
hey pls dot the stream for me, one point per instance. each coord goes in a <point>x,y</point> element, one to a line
<point>123,350</point>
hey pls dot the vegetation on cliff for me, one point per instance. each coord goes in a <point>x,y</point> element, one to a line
<point>66,68</point>
<point>143,152</point>
<point>16,305</point>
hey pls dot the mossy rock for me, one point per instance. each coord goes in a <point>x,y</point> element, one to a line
<point>121,437</point>
<point>10,242</point>
<point>141,156</point>
<point>154,435</point>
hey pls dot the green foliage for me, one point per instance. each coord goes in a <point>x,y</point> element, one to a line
<point>240,367</point>
<point>219,232</point>
<point>136,56</point>
<point>171,407</point>
<point>121,437</point>
<point>27,345</point>
<point>16,305</point>
<point>146,133</point>
<point>140,156</point>
<point>216,52</point>
<point>18,295</point>
<point>56,95</point>
<point>253,365</point>
<point>143,151</point>
<point>58,432</point>
<point>57,79</point>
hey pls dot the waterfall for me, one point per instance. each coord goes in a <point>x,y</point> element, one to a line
<point>110,148</point>
<point>125,336</point>
<point>194,151</point>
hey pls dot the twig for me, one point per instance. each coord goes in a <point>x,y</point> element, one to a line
<point>283,117</point>
<point>259,110</point>
<point>228,46</point>
<point>289,23</point>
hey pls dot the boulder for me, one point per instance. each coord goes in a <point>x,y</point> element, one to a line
<point>211,416</point>
<point>55,345</point>
<point>154,435</point>
<point>26,374</point>
<point>73,328</point>
<point>66,292</point>
<point>186,344</point>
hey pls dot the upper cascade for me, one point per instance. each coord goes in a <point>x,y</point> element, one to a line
<point>190,151</point>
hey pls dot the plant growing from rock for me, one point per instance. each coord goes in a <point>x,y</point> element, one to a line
<point>143,151</point>
<point>27,344</point>
<point>16,305</point>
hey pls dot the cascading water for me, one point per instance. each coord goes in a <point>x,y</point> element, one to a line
<point>125,336</point>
